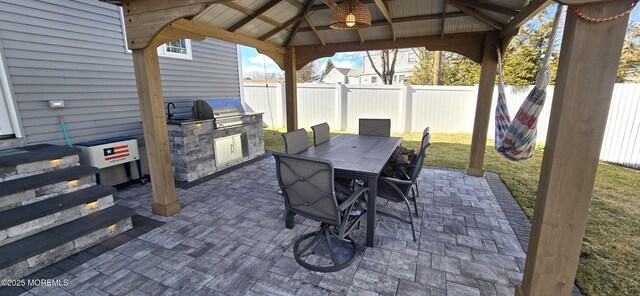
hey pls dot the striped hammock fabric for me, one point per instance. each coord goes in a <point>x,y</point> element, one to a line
<point>516,140</point>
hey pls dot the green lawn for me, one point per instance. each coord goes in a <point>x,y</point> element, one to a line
<point>610,261</point>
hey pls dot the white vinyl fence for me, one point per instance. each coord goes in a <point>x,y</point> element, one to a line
<point>445,109</point>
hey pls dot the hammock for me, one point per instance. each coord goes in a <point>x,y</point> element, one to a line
<point>516,140</point>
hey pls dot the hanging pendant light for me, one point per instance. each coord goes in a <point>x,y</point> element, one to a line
<point>350,14</point>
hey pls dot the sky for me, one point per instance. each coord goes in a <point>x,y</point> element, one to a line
<point>252,61</point>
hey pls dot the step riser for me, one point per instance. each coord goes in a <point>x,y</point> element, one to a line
<point>41,193</point>
<point>39,261</point>
<point>37,167</point>
<point>32,227</point>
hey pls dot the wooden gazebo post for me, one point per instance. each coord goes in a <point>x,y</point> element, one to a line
<point>589,60</point>
<point>483,104</point>
<point>291,88</point>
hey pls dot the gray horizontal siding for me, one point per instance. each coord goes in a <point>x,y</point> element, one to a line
<point>73,51</point>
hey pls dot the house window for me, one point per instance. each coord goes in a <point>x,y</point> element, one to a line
<point>374,79</point>
<point>180,48</point>
<point>395,78</point>
<point>412,58</point>
<point>401,78</point>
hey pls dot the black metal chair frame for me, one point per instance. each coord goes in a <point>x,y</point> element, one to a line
<point>340,227</point>
<point>411,182</point>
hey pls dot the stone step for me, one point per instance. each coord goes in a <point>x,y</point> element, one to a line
<point>20,222</point>
<point>27,190</point>
<point>37,159</point>
<point>30,254</point>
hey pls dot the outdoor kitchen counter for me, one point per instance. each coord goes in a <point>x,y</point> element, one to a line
<point>194,154</point>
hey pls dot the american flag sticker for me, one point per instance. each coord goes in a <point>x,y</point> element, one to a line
<point>116,152</point>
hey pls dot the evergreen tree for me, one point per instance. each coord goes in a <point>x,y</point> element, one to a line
<point>525,55</point>
<point>460,70</point>
<point>629,67</point>
<point>421,74</point>
<point>327,69</point>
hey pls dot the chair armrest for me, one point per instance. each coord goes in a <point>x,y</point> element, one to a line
<point>396,181</point>
<point>347,203</point>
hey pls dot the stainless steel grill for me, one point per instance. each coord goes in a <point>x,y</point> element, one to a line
<point>226,113</point>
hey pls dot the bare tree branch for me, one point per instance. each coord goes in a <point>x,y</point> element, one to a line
<point>374,65</point>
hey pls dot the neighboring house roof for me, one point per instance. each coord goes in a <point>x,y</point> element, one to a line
<point>354,72</point>
<point>344,71</point>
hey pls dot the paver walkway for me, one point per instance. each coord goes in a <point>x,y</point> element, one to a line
<point>230,239</point>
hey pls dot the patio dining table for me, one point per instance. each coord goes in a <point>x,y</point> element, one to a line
<point>358,157</point>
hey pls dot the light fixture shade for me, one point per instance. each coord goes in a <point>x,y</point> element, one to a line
<point>342,16</point>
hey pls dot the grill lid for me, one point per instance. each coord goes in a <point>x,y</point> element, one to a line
<point>211,109</point>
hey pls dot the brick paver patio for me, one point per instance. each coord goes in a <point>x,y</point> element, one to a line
<point>230,239</point>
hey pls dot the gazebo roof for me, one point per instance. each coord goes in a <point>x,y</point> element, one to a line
<point>272,26</point>
<point>274,21</point>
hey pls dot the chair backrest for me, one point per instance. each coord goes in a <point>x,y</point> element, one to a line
<point>296,141</point>
<point>374,127</point>
<point>419,162</point>
<point>307,187</point>
<point>320,133</point>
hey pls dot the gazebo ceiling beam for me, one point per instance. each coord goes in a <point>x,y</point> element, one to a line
<point>444,18</point>
<point>333,5</point>
<point>304,13</point>
<point>467,44</point>
<point>295,3</point>
<point>488,6</point>
<point>313,28</point>
<point>133,7</point>
<point>377,23</point>
<point>257,13</point>
<point>528,12</point>
<point>222,34</point>
<point>477,15</point>
<point>248,11</point>
<point>387,15</point>
<point>323,7</point>
<point>283,27</point>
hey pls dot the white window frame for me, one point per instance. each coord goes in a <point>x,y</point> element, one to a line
<point>163,52</point>
<point>162,49</point>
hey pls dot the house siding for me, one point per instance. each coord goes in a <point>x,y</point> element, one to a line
<point>74,51</point>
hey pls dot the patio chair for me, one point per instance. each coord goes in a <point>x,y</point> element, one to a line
<point>404,167</point>
<point>320,133</point>
<point>374,127</point>
<point>296,141</point>
<point>397,190</point>
<point>308,188</point>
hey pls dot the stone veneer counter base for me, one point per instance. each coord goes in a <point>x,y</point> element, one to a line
<point>192,146</point>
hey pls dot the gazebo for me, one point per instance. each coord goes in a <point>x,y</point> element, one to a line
<point>295,32</point>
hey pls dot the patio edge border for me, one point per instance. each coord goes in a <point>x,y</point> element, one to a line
<point>518,220</point>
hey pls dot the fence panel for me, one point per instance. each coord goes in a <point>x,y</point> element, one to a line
<point>317,103</point>
<point>266,99</point>
<point>444,109</point>
<point>374,102</point>
<point>621,142</point>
